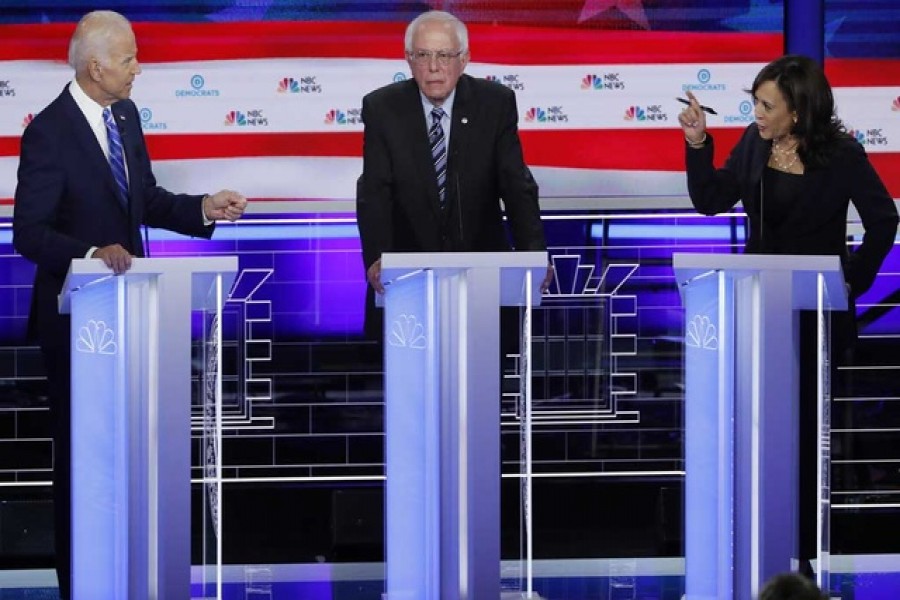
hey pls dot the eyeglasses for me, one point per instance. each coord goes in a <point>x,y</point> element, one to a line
<point>424,57</point>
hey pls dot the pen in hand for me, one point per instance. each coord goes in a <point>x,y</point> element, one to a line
<point>705,109</point>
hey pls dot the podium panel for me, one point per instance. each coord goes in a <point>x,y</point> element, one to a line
<point>442,413</point>
<point>131,359</point>
<point>741,414</point>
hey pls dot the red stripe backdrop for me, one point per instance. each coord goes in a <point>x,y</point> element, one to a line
<point>652,149</point>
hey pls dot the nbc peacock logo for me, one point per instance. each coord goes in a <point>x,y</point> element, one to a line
<point>347,116</point>
<point>870,137</point>
<point>635,113</point>
<point>605,81</point>
<point>591,82</point>
<point>308,84</point>
<point>895,105</point>
<point>335,117</point>
<point>288,85</point>
<point>535,114</point>
<point>857,135</point>
<point>235,117</point>
<point>27,120</point>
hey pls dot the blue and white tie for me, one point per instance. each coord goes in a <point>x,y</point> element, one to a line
<point>116,155</point>
<point>439,152</point>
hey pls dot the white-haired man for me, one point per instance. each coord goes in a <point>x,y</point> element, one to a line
<point>440,152</point>
<point>85,186</point>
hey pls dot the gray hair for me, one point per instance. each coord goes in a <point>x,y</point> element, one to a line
<point>92,36</point>
<point>437,16</point>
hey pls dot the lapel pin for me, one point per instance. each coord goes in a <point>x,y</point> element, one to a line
<point>464,120</point>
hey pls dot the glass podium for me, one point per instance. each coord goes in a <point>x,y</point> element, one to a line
<point>131,360</point>
<point>742,347</point>
<point>442,417</point>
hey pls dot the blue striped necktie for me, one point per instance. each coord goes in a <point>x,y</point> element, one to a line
<point>116,155</point>
<point>439,152</point>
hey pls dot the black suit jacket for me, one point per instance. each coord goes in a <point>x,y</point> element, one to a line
<point>66,201</point>
<point>398,208</point>
<point>817,224</point>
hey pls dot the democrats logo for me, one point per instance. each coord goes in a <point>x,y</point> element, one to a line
<point>744,113</point>
<point>869,137</point>
<point>653,112</point>
<point>247,118</point>
<point>6,89</point>
<point>606,81</point>
<point>510,80</point>
<point>305,85</point>
<point>399,76</point>
<point>704,83</point>
<point>551,114</point>
<point>198,89</point>
<point>147,122</point>
<point>336,116</point>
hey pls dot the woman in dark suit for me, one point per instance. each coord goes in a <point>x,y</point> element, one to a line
<point>796,171</point>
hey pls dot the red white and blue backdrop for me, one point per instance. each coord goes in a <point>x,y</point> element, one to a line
<point>264,96</point>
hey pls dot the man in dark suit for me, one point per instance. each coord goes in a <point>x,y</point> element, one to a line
<point>85,186</point>
<point>439,154</point>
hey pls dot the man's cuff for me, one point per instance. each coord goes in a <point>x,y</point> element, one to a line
<point>206,222</point>
<point>90,252</point>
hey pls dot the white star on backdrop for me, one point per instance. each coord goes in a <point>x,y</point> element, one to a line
<point>633,9</point>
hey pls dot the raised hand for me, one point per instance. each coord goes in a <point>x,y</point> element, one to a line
<point>693,121</point>
<point>225,204</point>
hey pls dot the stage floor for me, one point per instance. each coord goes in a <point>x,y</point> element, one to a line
<point>856,577</point>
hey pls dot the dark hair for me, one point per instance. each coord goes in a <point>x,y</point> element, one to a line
<point>803,84</point>
<point>791,586</point>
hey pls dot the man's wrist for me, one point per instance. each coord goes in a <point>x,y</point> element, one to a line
<point>206,220</point>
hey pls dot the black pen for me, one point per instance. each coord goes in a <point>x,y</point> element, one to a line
<point>703,108</point>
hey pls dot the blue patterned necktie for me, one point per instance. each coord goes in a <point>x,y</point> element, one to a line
<point>116,155</point>
<point>439,152</point>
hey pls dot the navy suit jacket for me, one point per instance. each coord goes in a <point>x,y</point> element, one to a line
<point>66,200</point>
<point>398,209</point>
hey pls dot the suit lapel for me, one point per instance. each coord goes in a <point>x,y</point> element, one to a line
<point>461,132</point>
<point>86,139</point>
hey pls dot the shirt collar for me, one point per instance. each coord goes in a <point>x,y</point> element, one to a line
<point>93,112</point>
<point>447,106</point>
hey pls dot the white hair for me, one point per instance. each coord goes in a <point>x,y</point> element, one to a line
<point>437,16</point>
<point>92,37</point>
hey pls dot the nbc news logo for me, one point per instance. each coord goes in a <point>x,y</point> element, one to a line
<point>607,81</point>
<point>653,112</point>
<point>6,90</point>
<point>510,80</point>
<point>336,116</point>
<point>305,85</point>
<point>247,118</point>
<point>869,137</point>
<point>552,114</point>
